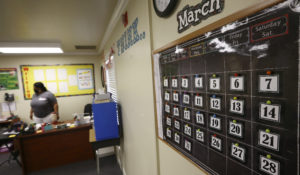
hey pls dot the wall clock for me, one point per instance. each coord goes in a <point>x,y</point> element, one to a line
<point>164,8</point>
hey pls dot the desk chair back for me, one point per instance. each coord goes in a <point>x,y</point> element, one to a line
<point>105,121</point>
<point>88,110</point>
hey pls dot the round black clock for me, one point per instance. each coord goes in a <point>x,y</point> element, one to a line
<point>164,8</point>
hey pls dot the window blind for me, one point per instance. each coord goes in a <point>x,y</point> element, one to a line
<point>111,78</point>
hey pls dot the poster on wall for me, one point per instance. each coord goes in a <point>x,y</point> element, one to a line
<point>62,80</point>
<point>8,79</point>
<point>228,99</point>
<point>85,78</point>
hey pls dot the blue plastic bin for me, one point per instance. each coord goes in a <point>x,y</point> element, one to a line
<point>105,121</point>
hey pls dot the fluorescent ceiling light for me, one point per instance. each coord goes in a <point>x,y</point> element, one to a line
<point>30,48</point>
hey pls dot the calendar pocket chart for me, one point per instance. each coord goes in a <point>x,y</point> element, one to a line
<point>237,106</point>
<point>198,82</point>
<point>200,135</point>
<point>199,118</point>
<point>238,152</point>
<point>187,113</point>
<point>175,97</point>
<point>230,101</point>
<point>169,133</point>
<point>236,129</point>
<point>169,121</point>
<point>237,83</point>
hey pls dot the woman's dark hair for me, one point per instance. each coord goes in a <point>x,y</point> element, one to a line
<point>40,85</point>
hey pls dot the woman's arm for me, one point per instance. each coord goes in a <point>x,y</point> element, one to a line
<point>55,106</point>
<point>31,113</point>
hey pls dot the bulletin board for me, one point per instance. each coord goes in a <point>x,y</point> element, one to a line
<point>9,79</point>
<point>228,99</point>
<point>61,80</point>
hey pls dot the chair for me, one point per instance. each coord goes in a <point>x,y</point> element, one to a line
<point>96,145</point>
<point>8,142</point>
<point>88,110</point>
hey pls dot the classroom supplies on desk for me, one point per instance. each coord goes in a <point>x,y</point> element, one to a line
<point>76,122</point>
<point>55,122</point>
<point>47,127</point>
<point>18,126</point>
<point>38,126</point>
<point>73,125</point>
<point>87,119</point>
<point>63,126</point>
<point>105,121</point>
<point>30,129</point>
<point>79,119</point>
<point>14,118</point>
<point>10,133</point>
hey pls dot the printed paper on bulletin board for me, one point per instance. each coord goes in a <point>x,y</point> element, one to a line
<point>61,80</point>
<point>8,79</point>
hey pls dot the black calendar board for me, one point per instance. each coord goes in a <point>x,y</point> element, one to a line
<point>230,97</point>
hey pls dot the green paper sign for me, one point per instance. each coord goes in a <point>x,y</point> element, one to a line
<point>8,79</point>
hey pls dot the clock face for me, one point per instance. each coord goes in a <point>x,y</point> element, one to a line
<point>162,4</point>
<point>164,7</point>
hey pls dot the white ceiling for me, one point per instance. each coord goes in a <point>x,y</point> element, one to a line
<point>71,22</point>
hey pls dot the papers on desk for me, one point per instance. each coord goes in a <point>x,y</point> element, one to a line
<point>10,133</point>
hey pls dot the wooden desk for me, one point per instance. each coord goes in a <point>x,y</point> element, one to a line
<point>102,144</point>
<point>92,135</point>
<point>54,148</point>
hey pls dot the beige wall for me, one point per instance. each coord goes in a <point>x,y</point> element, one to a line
<point>134,85</point>
<point>141,152</point>
<point>67,105</point>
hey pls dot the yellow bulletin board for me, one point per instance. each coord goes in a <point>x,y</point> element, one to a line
<point>61,80</point>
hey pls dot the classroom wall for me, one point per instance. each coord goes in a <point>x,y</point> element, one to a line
<point>141,152</point>
<point>67,105</point>
<point>135,94</point>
